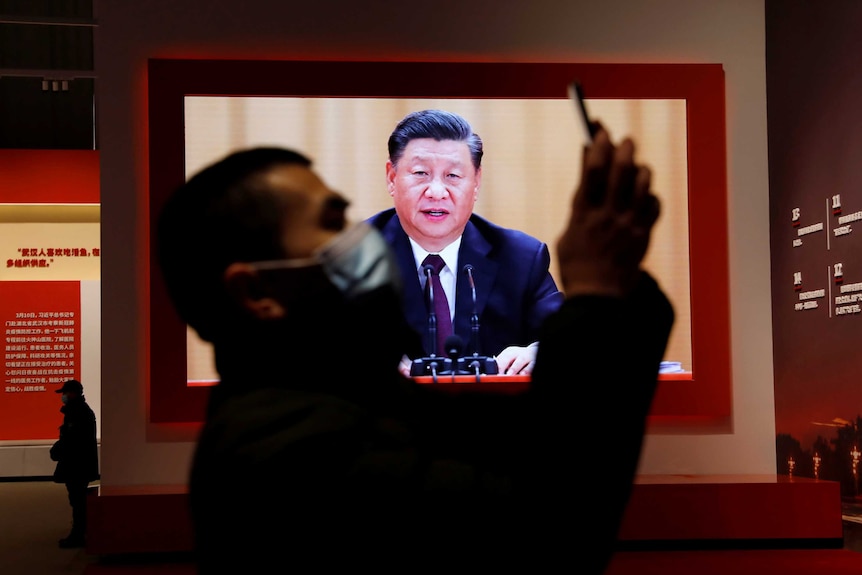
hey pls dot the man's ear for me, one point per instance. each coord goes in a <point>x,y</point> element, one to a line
<point>246,287</point>
<point>390,177</point>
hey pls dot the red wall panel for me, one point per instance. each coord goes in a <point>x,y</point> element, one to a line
<point>49,177</point>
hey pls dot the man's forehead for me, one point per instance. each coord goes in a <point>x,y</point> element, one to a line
<point>300,186</point>
<point>295,179</point>
<point>420,148</point>
<point>305,194</point>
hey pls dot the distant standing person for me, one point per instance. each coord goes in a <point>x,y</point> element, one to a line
<point>77,457</point>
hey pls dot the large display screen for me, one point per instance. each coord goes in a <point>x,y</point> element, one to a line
<point>341,114</point>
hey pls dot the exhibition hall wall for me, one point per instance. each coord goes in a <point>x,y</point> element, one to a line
<point>50,300</point>
<point>136,451</point>
<point>816,207</point>
<point>75,291</point>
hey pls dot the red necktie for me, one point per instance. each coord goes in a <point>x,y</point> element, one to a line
<point>441,303</point>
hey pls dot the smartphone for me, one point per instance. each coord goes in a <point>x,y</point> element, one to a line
<point>576,93</point>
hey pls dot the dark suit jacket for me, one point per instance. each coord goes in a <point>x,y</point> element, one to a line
<point>515,292</point>
<point>317,467</point>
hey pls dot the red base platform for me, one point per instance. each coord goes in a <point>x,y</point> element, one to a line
<point>689,509</point>
<point>732,507</point>
<point>138,519</point>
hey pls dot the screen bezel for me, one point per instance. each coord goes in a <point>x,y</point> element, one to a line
<point>704,393</point>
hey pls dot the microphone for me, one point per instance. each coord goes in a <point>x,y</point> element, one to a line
<point>477,363</point>
<point>474,317</point>
<point>454,349</point>
<point>433,365</point>
<point>454,346</point>
<point>432,316</point>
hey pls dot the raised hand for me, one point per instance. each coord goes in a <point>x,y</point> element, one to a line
<point>613,213</point>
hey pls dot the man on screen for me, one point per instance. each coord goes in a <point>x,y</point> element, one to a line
<point>317,454</point>
<point>433,174</point>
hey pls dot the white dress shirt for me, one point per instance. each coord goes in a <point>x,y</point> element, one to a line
<point>447,275</point>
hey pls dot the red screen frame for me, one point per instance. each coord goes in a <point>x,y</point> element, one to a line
<point>705,393</point>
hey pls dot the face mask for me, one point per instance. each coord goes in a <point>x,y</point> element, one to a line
<point>64,398</point>
<point>353,282</point>
<point>357,261</point>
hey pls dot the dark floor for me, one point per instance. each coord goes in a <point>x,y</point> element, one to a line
<point>34,515</point>
<point>851,512</point>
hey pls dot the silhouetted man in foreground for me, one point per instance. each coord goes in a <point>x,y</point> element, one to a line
<point>317,452</point>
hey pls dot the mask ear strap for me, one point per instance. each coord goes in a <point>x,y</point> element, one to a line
<point>246,288</point>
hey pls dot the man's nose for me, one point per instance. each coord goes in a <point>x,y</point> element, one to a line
<point>436,189</point>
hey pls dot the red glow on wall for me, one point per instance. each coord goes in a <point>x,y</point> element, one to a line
<point>49,177</point>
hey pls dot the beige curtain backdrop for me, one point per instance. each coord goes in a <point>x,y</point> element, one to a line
<point>532,159</point>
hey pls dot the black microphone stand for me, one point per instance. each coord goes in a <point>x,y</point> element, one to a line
<point>476,363</point>
<point>432,364</point>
